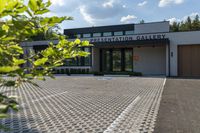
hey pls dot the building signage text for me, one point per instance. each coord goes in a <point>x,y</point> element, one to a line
<point>128,38</point>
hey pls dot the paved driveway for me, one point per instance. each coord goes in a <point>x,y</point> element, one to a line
<point>180,107</point>
<point>87,104</point>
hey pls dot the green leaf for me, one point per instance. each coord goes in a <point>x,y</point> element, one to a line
<point>2,5</point>
<point>5,27</point>
<point>39,62</point>
<point>14,107</point>
<point>48,52</point>
<point>18,61</point>
<point>3,115</point>
<point>28,75</point>
<point>40,78</point>
<point>7,69</point>
<point>9,83</point>
<point>77,41</point>
<point>86,43</point>
<point>48,3</point>
<point>33,5</point>
<point>52,21</point>
<point>41,11</point>
<point>17,48</point>
<point>3,106</point>
<point>82,53</point>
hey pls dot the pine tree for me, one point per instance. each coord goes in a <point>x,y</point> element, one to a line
<point>174,27</point>
<point>188,24</point>
<point>182,26</point>
<point>196,23</point>
<point>142,21</point>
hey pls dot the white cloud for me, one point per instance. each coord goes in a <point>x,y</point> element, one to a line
<point>87,17</point>
<point>58,2</point>
<point>192,16</point>
<point>128,18</point>
<point>172,20</point>
<point>124,6</point>
<point>96,11</point>
<point>142,3</point>
<point>164,3</point>
<point>92,11</point>
<point>108,4</point>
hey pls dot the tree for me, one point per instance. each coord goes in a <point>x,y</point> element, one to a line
<point>49,34</point>
<point>187,25</point>
<point>174,27</point>
<point>26,21</point>
<point>196,23</point>
<point>142,21</point>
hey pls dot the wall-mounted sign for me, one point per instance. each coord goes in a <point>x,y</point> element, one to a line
<point>136,58</point>
<point>128,38</point>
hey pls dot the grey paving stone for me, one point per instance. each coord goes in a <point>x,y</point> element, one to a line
<point>87,104</point>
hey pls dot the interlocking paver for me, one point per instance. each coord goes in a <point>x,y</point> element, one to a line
<point>87,104</point>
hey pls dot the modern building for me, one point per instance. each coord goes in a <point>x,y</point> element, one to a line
<point>149,48</point>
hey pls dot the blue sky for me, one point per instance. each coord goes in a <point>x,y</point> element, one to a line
<point>111,12</point>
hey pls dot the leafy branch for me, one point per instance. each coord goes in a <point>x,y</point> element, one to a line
<point>22,23</point>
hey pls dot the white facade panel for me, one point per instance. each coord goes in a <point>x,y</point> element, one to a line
<point>151,60</point>
<point>152,27</point>
<point>180,38</point>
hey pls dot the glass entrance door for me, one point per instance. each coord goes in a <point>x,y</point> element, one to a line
<point>117,60</point>
<point>106,61</point>
<point>128,61</point>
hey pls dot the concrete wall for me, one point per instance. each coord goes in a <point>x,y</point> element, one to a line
<point>152,27</point>
<point>180,38</point>
<point>151,61</point>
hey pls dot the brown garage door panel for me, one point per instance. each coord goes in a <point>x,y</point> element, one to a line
<point>189,60</point>
<point>196,60</point>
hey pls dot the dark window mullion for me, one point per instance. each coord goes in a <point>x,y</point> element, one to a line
<point>82,59</point>
<point>122,59</point>
<point>111,59</point>
<point>101,60</point>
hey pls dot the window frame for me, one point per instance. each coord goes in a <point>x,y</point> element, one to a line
<point>107,35</point>
<point>129,33</point>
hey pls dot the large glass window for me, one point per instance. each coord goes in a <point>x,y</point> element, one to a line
<point>87,60</point>
<point>131,32</point>
<point>86,35</point>
<point>118,33</point>
<point>96,34</point>
<point>128,60</point>
<point>71,62</point>
<point>116,60</point>
<point>106,60</point>
<point>78,35</point>
<point>107,34</point>
<point>80,61</point>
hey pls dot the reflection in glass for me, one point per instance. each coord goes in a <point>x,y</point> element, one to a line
<point>107,34</point>
<point>117,61</point>
<point>96,34</point>
<point>128,60</point>
<point>106,60</point>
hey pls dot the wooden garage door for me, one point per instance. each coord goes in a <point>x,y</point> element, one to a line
<point>189,60</point>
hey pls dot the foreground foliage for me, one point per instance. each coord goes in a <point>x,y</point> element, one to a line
<point>19,23</point>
